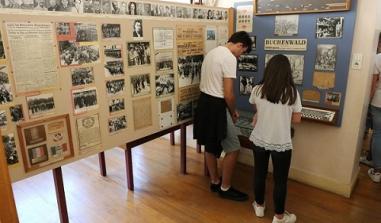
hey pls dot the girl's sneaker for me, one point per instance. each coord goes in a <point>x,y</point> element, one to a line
<point>375,176</point>
<point>287,218</point>
<point>259,210</point>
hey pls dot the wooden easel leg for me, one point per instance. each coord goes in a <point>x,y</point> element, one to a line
<point>198,149</point>
<point>129,171</point>
<point>172,138</point>
<point>183,146</point>
<point>60,194</point>
<point>102,163</point>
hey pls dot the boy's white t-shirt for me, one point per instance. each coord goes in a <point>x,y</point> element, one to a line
<point>218,64</point>
<point>273,128</point>
<point>376,101</point>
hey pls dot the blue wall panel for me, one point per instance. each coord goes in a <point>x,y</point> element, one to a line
<point>263,28</point>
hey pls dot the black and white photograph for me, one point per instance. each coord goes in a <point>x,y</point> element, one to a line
<point>189,68</point>
<point>16,113</point>
<point>106,6</point>
<point>164,84</point>
<point>164,60</point>
<point>115,87</point>
<point>82,76</point>
<point>10,149</point>
<point>184,111</point>
<point>73,54</point>
<point>116,124</point>
<point>113,52</point>
<point>40,5</point>
<point>211,34</point>
<point>114,68</point>
<point>140,85</point>
<point>111,31</point>
<point>88,6</point>
<point>3,119</point>
<point>183,12</point>
<point>86,32</point>
<point>329,27</point>
<point>286,25</point>
<point>254,40</point>
<point>85,99</point>
<point>297,66</point>
<point>2,52</point>
<point>5,87</point>
<point>116,105</point>
<point>132,8</point>
<point>63,29</point>
<point>248,62</point>
<point>139,53</point>
<point>137,28</point>
<point>40,105</point>
<point>246,84</point>
<point>145,9</point>
<point>326,57</point>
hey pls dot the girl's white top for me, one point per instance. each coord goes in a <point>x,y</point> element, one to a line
<point>273,128</point>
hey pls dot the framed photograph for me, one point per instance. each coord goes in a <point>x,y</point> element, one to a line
<point>189,68</point>
<point>140,85</point>
<point>116,124</point>
<point>164,84</point>
<point>139,53</point>
<point>10,149</point>
<point>246,84</point>
<point>41,104</point>
<point>274,7</point>
<point>248,62</point>
<point>115,87</point>
<point>34,135</point>
<point>46,141</point>
<point>82,76</point>
<point>116,105</point>
<point>111,31</point>
<point>84,100</point>
<point>326,57</point>
<point>164,61</point>
<point>286,25</point>
<point>329,27</point>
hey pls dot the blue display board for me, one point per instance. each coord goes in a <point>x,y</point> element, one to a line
<point>263,28</point>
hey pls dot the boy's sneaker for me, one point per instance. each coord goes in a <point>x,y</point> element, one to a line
<point>215,187</point>
<point>259,210</point>
<point>287,218</point>
<point>233,194</point>
<point>375,176</point>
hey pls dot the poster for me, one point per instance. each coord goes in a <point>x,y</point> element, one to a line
<point>324,80</point>
<point>163,38</point>
<point>32,51</point>
<point>190,40</point>
<point>88,130</point>
<point>244,19</point>
<point>311,96</point>
<point>166,113</point>
<point>142,113</point>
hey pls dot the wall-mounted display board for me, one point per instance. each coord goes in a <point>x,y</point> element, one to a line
<point>75,85</point>
<point>272,7</point>
<point>318,46</point>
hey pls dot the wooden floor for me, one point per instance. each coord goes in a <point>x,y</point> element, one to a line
<point>162,194</point>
